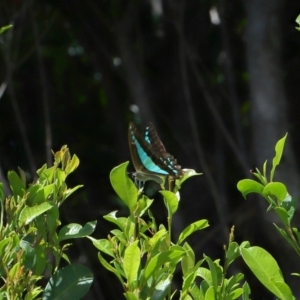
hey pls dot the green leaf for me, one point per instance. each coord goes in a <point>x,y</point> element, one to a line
<point>216,272</point>
<point>69,192</point>
<point>267,271</point>
<point>276,160</point>
<point>29,253</point>
<point>247,186</point>
<point>196,293</point>
<point>16,183</point>
<point>157,261</point>
<point>42,194</point>
<point>154,240</point>
<point>298,21</point>
<point>171,201</point>
<point>188,259</point>
<point>232,253</point>
<point>289,204</point>
<point>74,231</point>
<point>276,189</point>
<point>52,217</point>
<point>132,260</point>
<point>4,28</point>
<point>107,266</point>
<point>130,296</point>
<point>234,281</point>
<point>120,222</point>
<point>28,213</point>
<point>103,245</point>
<point>210,294</point>
<point>235,293</point>
<point>123,186</point>
<point>143,205</point>
<point>287,238</point>
<point>161,289</point>
<point>198,225</point>
<point>71,282</point>
<point>188,173</point>
<point>187,281</point>
<point>40,260</point>
<point>259,176</point>
<point>72,165</point>
<point>283,215</point>
<point>247,291</point>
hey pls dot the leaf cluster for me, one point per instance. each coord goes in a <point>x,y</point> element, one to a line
<point>30,242</point>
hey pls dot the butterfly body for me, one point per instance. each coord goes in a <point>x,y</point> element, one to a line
<point>149,155</point>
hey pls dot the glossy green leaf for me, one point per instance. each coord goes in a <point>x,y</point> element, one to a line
<point>276,189</point>
<point>120,222</point>
<point>161,289</point>
<point>73,231</point>
<point>278,153</point>
<point>131,263</point>
<point>103,245</point>
<point>290,204</point>
<point>247,186</point>
<point>123,186</point>
<point>198,225</point>
<point>71,282</point>
<point>267,271</point>
<point>28,214</point>
<point>188,173</point>
<point>171,201</point>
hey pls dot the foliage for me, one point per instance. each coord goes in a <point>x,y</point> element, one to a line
<point>30,243</point>
<point>283,204</point>
<point>4,28</point>
<point>144,258</point>
<point>298,21</point>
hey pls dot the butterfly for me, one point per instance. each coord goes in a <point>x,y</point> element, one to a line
<point>149,156</point>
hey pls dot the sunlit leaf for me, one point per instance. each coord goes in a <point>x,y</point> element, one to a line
<point>278,153</point>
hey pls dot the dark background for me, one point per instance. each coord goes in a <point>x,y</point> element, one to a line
<point>219,80</point>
